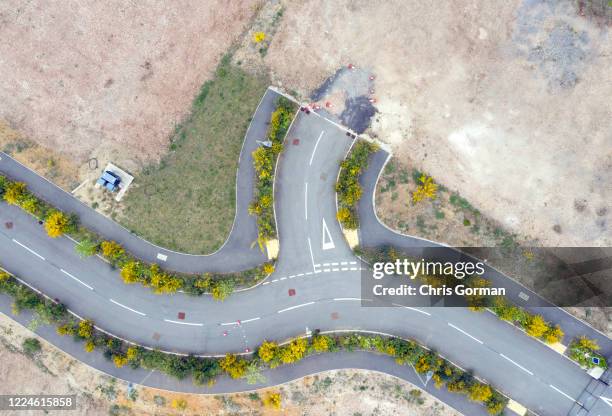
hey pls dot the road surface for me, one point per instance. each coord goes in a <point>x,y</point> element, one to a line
<point>316,285</point>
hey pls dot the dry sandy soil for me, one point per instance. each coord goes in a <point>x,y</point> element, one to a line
<point>106,79</point>
<point>507,102</point>
<point>342,393</point>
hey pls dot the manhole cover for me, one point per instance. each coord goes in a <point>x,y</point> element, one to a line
<point>93,163</point>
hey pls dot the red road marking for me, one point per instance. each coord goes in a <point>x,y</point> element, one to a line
<point>181,315</point>
<point>296,142</point>
<point>291,292</point>
<point>335,315</point>
<point>8,225</point>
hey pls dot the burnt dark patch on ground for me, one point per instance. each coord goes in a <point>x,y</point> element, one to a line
<point>358,113</point>
<point>325,88</point>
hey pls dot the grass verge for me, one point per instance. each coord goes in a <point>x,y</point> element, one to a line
<point>187,201</point>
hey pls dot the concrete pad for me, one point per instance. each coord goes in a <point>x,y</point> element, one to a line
<point>596,372</point>
<point>272,247</point>
<point>557,346</point>
<point>126,179</point>
<point>352,237</point>
<point>516,407</point>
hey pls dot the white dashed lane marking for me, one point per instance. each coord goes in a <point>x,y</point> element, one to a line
<point>72,277</point>
<point>465,333</point>
<point>295,307</point>
<point>318,265</point>
<point>183,323</point>
<point>29,249</point>
<point>564,394</point>
<point>127,307</point>
<point>518,365</point>
<point>412,309</point>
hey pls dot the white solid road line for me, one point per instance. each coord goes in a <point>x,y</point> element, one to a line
<point>314,266</point>
<point>251,320</point>
<point>72,277</point>
<point>559,391</point>
<point>518,365</point>
<point>306,200</point>
<point>315,148</point>
<point>29,249</point>
<point>71,239</point>
<point>412,309</point>
<point>183,323</point>
<point>128,308</point>
<point>341,299</point>
<point>104,259</point>
<point>295,307</point>
<point>465,333</point>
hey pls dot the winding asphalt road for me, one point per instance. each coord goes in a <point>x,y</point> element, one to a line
<point>316,285</point>
<point>239,244</point>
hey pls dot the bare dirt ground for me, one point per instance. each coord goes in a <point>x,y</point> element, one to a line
<point>507,102</point>
<point>106,80</point>
<point>54,166</point>
<point>342,393</point>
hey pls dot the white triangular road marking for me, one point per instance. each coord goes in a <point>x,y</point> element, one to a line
<point>606,400</point>
<point>419,376</point>
<point>329,244</point>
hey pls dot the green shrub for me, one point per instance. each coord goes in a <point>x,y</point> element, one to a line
<point>31,346</point>
<point>87,248</point>
<point>583,350</point>
<point>348,189</point>
<point>264,163</point>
